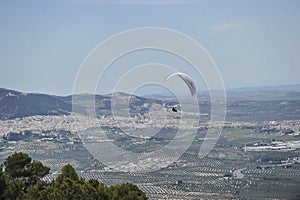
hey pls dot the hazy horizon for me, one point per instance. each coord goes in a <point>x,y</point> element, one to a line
<point>168,94</point>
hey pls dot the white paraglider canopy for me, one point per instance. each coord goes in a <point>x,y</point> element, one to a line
<point>187,79</point>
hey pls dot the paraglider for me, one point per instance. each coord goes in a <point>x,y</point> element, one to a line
<point>174,109</point>
<point>188,81</point>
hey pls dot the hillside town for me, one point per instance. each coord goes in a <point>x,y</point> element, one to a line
<point>75,123</point>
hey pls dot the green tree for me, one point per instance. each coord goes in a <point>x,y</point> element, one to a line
<point>19,165</point>
<point>69,172</point>
<point>36,191</point>
<point>13,190</point>
<point>3,183</point>
<point>16,165</point>
<point>127,191</point>
<point>19,174</point>
<point>21,179</point>
<point>102,191</point>
<point>67,185</point>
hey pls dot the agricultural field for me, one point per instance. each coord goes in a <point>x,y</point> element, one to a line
<point>228,171</point>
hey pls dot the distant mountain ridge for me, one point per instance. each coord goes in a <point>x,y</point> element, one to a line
<point>285,88</point>
<point>15,104</point>
<point>289,92</point>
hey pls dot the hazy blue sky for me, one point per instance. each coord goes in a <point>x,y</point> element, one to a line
<point>43,43</point>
